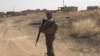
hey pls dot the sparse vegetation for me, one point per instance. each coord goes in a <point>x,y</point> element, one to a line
<point>19,39</point>
<point>85,28</point>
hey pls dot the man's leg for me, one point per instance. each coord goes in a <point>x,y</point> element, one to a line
<point>49,44</point>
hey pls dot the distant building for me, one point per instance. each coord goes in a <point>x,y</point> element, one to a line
<point>92,8</point>
<point>14,13</point>
<point>68,9</point>
<point>27,11</point>
<point>44,10</point>
<point>17,13</point>
<point>10,13</point>
<point>38,10</point>
<point>2,14</point>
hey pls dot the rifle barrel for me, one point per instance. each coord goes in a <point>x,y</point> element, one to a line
<point>37,38</point>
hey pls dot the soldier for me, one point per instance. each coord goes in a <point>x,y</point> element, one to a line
<point>49,28</point>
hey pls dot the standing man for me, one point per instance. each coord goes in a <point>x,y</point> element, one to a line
<point>49,28</point>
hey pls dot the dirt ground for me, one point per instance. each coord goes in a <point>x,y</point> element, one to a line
<point>17,38</point>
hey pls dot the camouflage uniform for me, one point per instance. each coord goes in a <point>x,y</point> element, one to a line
<point>49,44</point>
<point>49,28</point>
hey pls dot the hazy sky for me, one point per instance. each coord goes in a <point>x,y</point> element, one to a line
<point>7,5</point>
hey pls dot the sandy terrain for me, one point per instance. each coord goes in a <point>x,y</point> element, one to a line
<point>17,38</point>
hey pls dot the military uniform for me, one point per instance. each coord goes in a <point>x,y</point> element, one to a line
<point>49,28</point>
<point>49,44</point>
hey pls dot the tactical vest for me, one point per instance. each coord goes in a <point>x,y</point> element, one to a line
<point>49,27</point>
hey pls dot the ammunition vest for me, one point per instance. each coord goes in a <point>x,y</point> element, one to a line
<point>49,26</point>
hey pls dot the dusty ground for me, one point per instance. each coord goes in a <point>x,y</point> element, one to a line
<point>17,38</point>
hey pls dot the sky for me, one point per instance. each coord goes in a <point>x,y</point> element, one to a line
<point>18,5</point>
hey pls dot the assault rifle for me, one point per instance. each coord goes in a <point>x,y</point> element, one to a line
<point>38,37</point>
<point>39,31</point>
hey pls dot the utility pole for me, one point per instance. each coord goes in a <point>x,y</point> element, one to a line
<point>13,6</point>
<point>64,6</point>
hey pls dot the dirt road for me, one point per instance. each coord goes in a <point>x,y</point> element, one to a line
<point>17,38</point>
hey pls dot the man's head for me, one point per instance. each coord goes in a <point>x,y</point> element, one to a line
<point>49,15</point>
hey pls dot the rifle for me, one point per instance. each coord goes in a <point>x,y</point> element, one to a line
<point>39,32</point>
<point>38,37</point>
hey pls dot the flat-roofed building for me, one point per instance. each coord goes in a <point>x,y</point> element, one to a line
<point>2,14</point>
<point>92,8</point>
<point>68,9</point>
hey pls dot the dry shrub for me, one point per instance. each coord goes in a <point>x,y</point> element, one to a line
<point>85,28</point>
